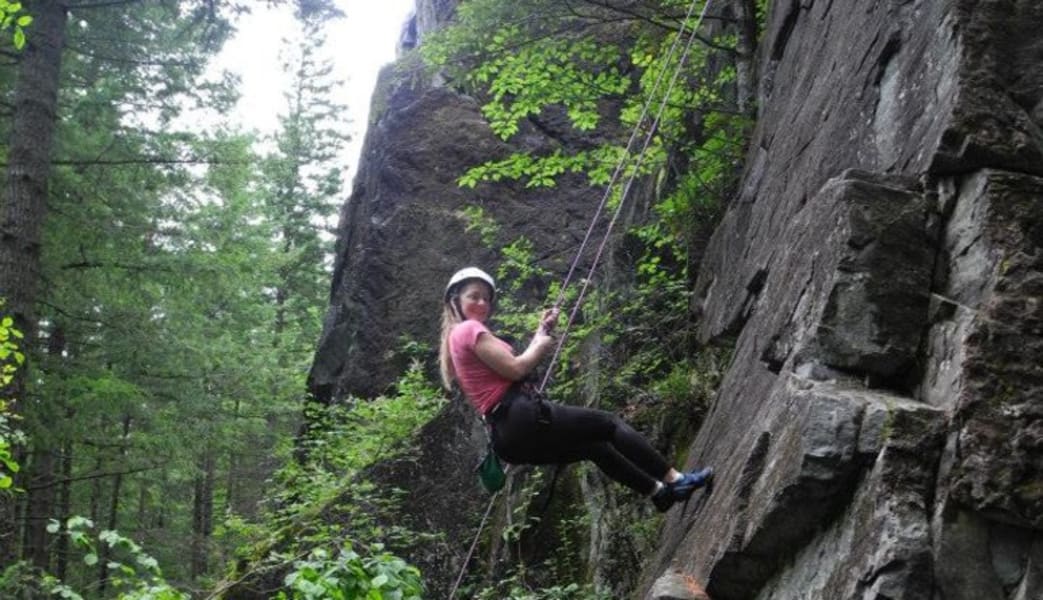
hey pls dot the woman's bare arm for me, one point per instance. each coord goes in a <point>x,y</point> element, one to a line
<point>507,365</point>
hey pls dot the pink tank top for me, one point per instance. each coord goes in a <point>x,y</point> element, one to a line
<point>482,386</point>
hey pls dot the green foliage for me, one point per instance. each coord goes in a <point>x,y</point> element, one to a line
<point>527,63</point>
<point>762,7</point>
<point>528,56</point>
<point>10,360</point>
<point>518,273</point>
<point>349,576</point>
<point>11,19</point>
<point>414,350</point>
<point>164,373</point>
<point>301,184</point>
<point>542,171</point>
<point>324,506</point>
<point>513,589</point>
<point>346,438</point>
<point>134,574</point>
<point>478,221</point>
<point>20,580</point>
<point>169,366</point>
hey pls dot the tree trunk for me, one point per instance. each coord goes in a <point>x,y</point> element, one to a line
<point>142,520</point>
<point>64,510</point>
<point>203,514</point>
<point>39,507</point>
<point>114,505</point>
<point>746,55</point>
<point>24,202</point>
<point>96,489</point>
<point>232,503</point>
<point>43,486</point>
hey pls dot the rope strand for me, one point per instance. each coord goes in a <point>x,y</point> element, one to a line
<point>474,544</point>
<point>626,190</point>
<point>597,216</point>
<point>626,151</point>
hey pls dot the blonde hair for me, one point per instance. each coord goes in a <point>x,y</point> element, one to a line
<point>445,361</point>
<point>451,316</point>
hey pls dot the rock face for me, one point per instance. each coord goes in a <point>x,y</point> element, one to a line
<point>881,273</point>
<point>404,231</point>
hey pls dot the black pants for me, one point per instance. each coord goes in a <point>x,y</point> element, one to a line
<point>524,432</point>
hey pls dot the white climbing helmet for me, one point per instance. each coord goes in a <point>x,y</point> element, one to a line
<point>468,274</point>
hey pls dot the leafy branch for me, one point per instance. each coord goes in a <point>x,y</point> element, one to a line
<point>11,19</point>
<point>11,358</point>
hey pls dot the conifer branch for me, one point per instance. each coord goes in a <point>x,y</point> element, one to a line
<point>104,4</point>
<point>99,475</point>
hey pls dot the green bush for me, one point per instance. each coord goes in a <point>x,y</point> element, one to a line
<point>349,576</point>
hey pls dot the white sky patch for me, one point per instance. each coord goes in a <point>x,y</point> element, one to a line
<point>360,44</point>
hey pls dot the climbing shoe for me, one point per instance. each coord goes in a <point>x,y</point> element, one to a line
<point>682,489</point>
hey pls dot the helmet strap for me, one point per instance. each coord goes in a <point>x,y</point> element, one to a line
<point>458,308</point>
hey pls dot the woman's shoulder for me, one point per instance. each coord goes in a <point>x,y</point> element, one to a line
<point>465,333</point>
<point>468,326</point>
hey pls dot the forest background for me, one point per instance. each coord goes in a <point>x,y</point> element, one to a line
<point>167,286</point>
<point>166,281</point>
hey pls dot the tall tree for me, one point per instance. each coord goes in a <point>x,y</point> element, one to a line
<point>23,206</point>
<point>99,83</point>
<point>305,179</point>
<point>160,264</point>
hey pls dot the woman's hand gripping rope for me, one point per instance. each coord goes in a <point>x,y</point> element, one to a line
<point>549,320</point>
<point>544,339</point>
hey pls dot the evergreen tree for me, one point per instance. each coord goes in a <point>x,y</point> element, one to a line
<point>80,236</point>
<point>174,280</point>
<point>23,205</point>
<point>304,183</point>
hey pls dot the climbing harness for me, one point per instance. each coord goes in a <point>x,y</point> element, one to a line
<point>597,216</point>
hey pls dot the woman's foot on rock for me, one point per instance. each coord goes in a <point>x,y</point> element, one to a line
<point>681,489</point>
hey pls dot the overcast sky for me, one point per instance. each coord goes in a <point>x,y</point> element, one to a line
<point>360,44</point>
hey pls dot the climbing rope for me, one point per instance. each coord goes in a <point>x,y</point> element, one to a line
<point>626,188</point>
<point>615,217</point>
<point>474,544</point>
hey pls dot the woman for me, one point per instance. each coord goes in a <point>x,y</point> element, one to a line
<point>528,430</point>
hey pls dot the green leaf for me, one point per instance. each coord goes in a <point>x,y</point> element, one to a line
<point>78,521</point>
<point>25,20</point>
<point>9,462</point>
<point>91,559</point>
<point>19,38</point>
<point>53,526</point>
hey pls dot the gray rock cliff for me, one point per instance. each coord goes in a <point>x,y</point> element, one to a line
<point>882,271</point>
<point>403,230</point>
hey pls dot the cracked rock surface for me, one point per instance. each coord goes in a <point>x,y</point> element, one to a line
<point>879,433</point>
